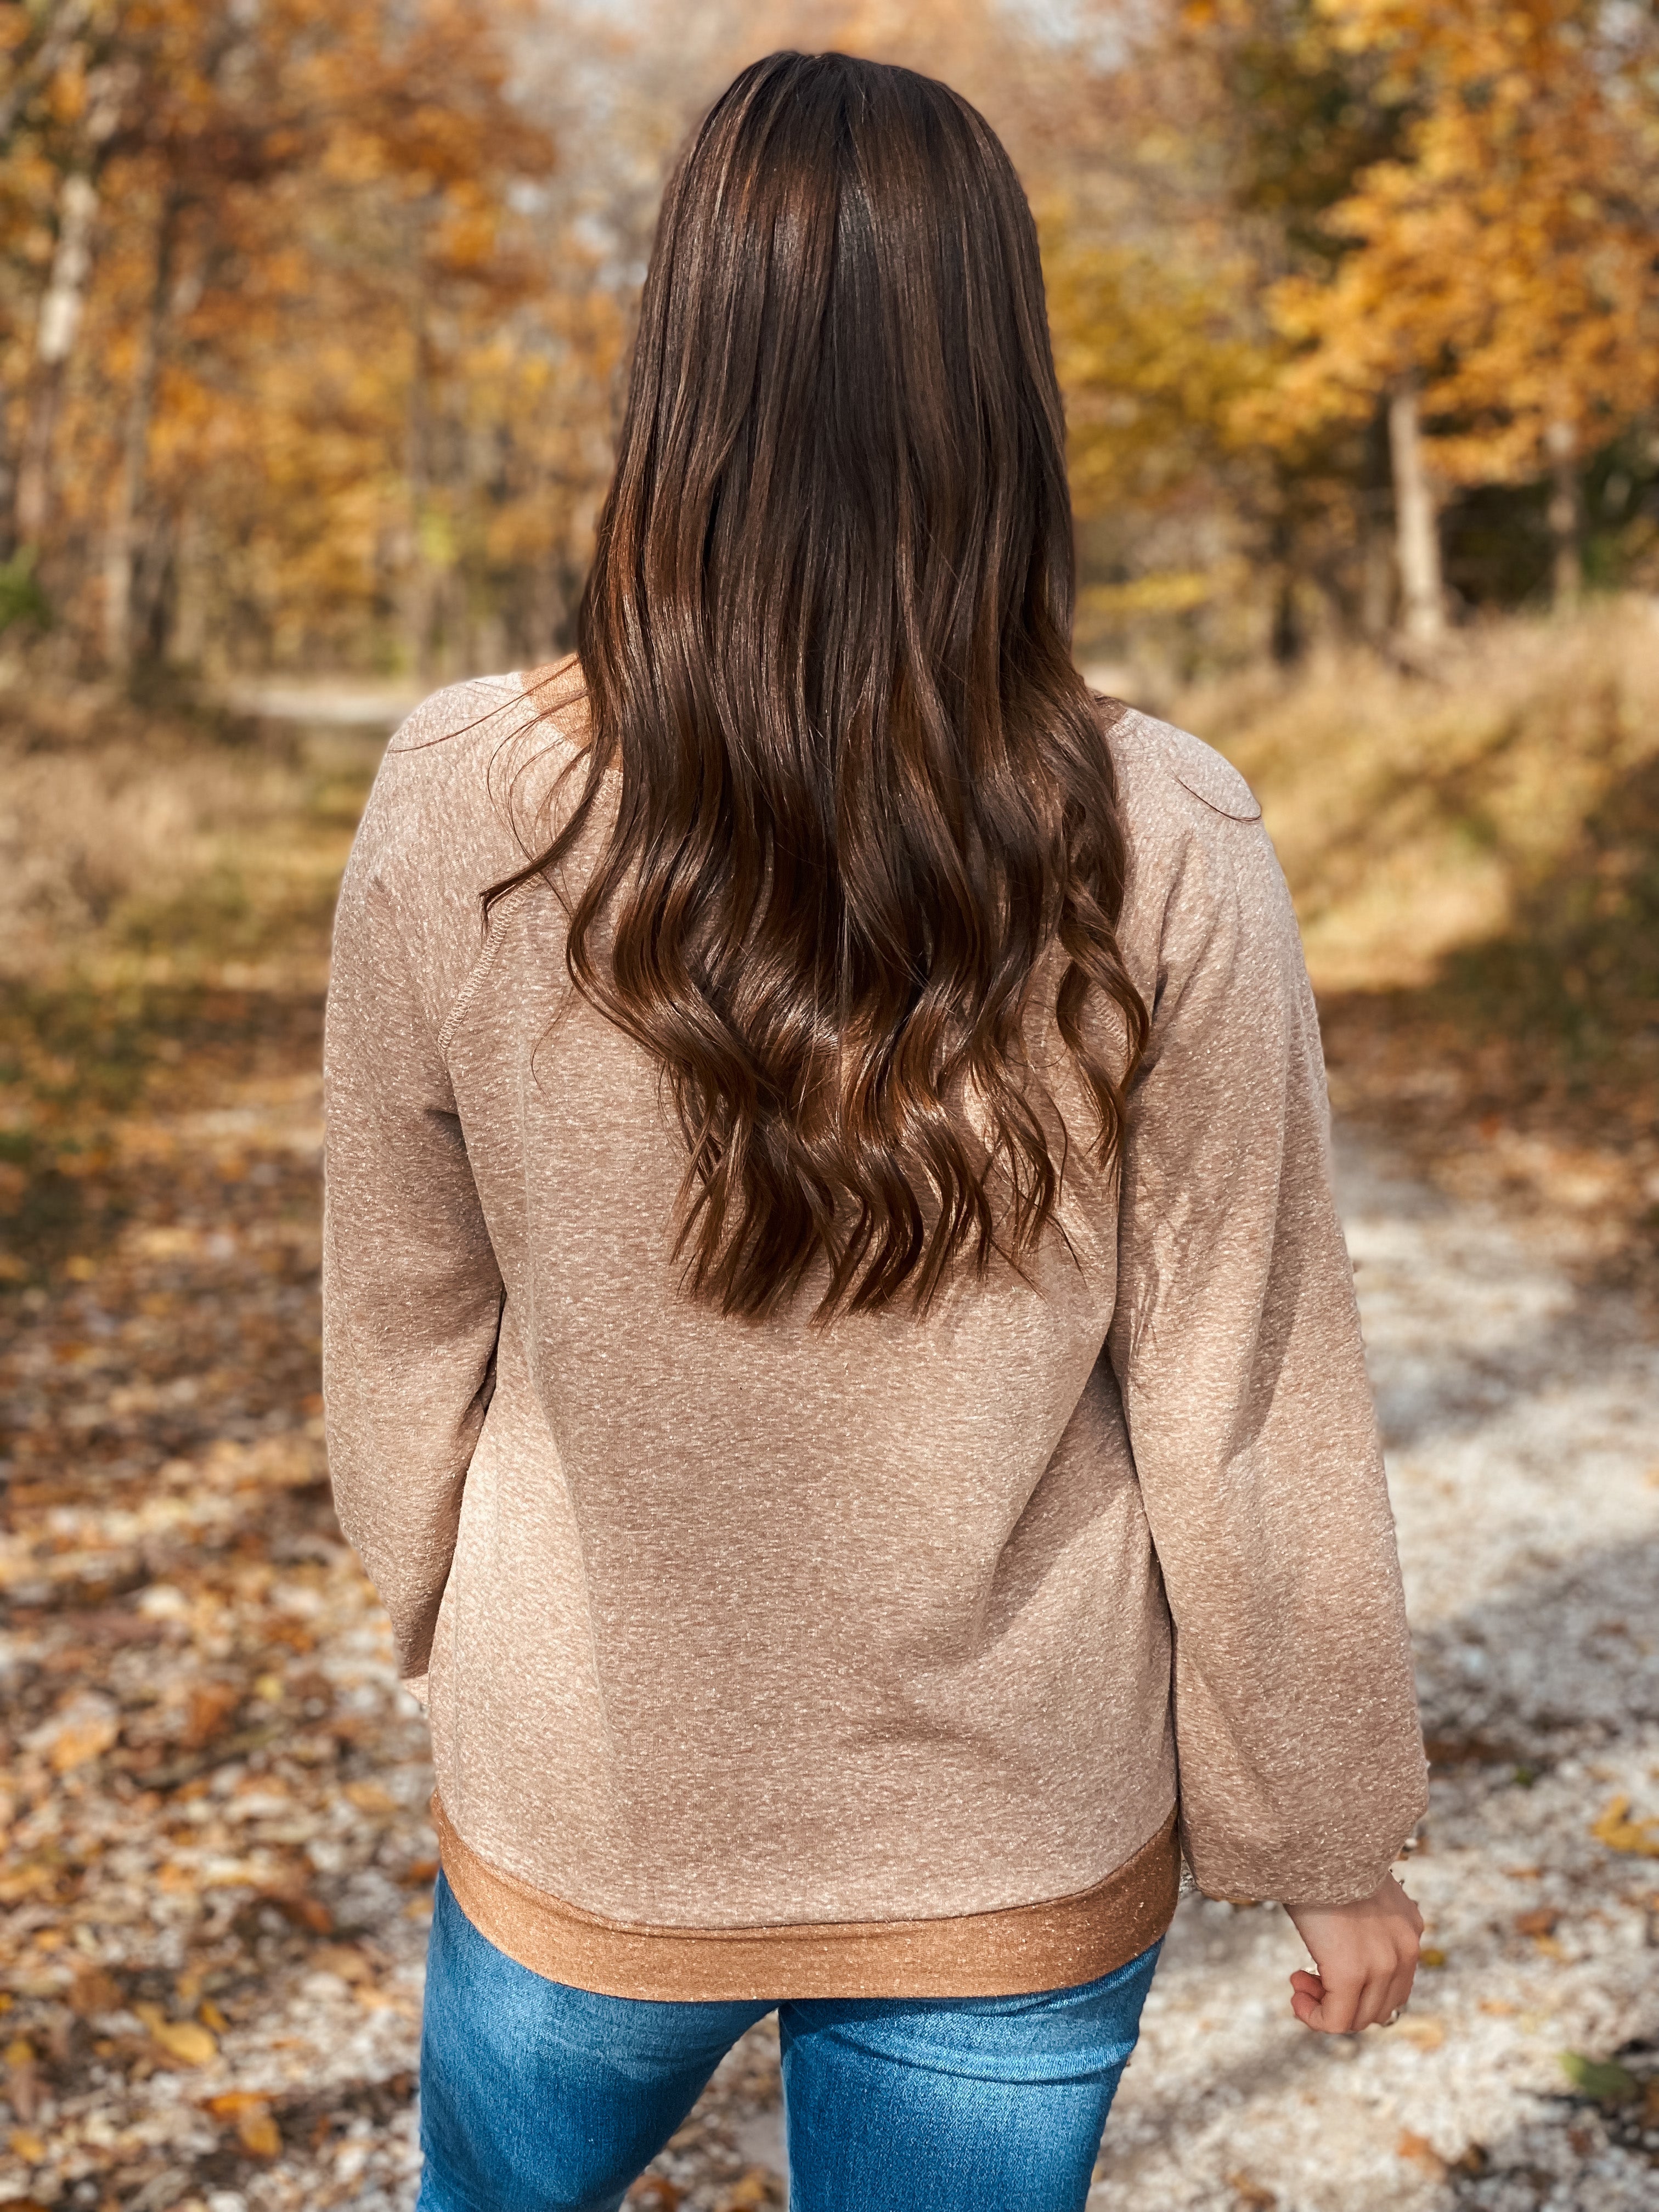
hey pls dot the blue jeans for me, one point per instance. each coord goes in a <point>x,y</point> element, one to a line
<point>537,2098</point>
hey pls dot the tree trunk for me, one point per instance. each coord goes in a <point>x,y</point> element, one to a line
<point>120,542</point>
<point>419,593</point>
<point>188,644</point>
<point>1417,524</point>
<point>54,341</point>
<point>1567,516</point>
<point>1375,581</point>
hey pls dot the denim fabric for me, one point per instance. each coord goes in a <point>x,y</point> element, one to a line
<point>537,2098</point>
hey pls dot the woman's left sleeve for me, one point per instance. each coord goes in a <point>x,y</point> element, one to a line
<point>412,1291</point>
<point>1237,1346</point>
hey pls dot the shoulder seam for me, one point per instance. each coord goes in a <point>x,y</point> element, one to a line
<point>1188,774</point>
<point>495,931</point>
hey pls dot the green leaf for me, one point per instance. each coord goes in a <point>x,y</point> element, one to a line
<point>1600,2078</point>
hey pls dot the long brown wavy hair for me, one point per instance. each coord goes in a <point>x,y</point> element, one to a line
<point>861,789</point>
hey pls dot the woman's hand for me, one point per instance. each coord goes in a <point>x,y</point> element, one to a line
<point>1366,1955</point>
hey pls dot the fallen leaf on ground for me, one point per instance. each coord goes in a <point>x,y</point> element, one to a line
<point>1543,1921</point>
<point>186,2040</point>
<point>754,2188</point>
<point>1604,2079</point>
<point>343,1959</point>
<point>1251,2193</point>
<point>1421,2030</point>
<point>23,2083</point>
<point>24,1881</point>
<point>305,1911</point>
<point>655,2193</point>
<point>1619,1833</point>
<point>212,1704</point>
<point>370,1798</point>
<point>1421,2151</point>
<point>26,2145</point>
<point>259,2133</point>
<point>86,1726</point>
<point>94,1990</point>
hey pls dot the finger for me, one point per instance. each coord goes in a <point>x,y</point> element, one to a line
<point>1396,1977</point>
<point>1374,2004</point>
<point>1400,1987</point>
<point>1335,2012</point>
<point>1306,1991</point>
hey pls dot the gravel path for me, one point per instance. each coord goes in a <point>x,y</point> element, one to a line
<point>215,1872</point>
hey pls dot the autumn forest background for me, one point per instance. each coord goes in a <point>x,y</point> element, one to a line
<point>313,315</point>
<point>310,316</point>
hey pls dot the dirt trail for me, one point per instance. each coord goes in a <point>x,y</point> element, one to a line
<point>216,1867</point>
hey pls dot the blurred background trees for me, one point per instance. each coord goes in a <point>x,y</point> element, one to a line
<point>312,312</point>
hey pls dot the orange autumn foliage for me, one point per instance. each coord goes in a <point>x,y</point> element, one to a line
<point>314,338</point>
<point>1504,258</point>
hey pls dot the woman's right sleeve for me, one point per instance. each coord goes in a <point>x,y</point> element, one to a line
<point>1236,1343</point>
<point>412,1291</point>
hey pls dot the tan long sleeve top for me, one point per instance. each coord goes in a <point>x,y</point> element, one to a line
<point>901,1657</point>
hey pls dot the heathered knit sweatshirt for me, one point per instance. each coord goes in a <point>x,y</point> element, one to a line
<point>901,1657</point>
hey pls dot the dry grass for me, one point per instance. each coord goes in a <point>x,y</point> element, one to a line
<point>1475,859</point>
<point>180,835</point>
<point>165,886</point>
<point>1416,816</point>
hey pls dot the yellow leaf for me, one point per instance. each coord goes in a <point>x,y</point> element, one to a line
<point>26,2145</point>
<point>1616,1828</point>
<point>20,2051</point>
<point>1250,2195</point>
<point>257,2133</point>
<point>1422,2030</point>
<point>751,2190</point>
<point>24,1881</point>
<point>186,2040</point>
<point>371,1797</point>
<point>1421,2151</point>
<point>83,1740</point>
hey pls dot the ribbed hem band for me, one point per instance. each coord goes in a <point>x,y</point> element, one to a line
<point>1023,1949</point>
